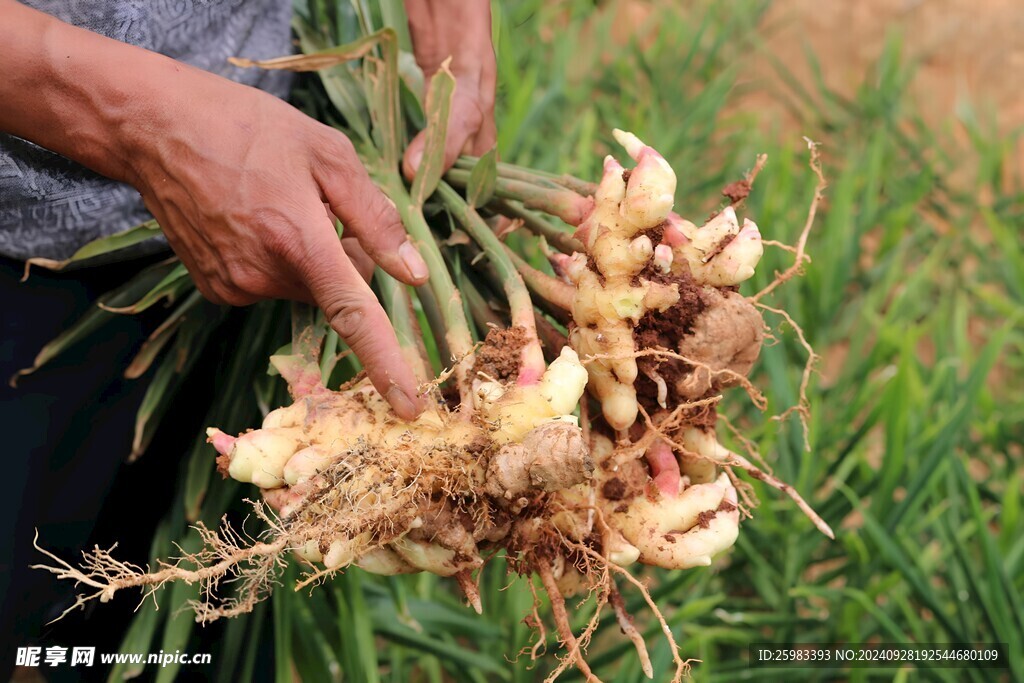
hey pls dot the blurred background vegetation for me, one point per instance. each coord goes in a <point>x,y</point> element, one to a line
<point>912,300</point>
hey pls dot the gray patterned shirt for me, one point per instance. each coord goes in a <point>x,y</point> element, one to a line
<point>49,205</point>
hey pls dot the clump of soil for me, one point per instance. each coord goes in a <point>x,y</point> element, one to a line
<point>499,357</point>
<point>736,191</point>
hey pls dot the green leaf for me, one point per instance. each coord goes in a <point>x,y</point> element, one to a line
<point>171,287</point>
<point>952,429</point>
<point>380,77</point>
<point>314,660</point>
<point>236,652</point>
<point>393,16</point>
<point>344,88</point>
<point>439,104</point>
<point>147,619</point>
<point>482,179</point>
<point>95,317</point>
<point>172,371</point>
<point>159,338</point>
<point>910,568</point>
<point>1005,603</point>
<point>248,663</point>
<point>104,245</point>
<point>449,653</point>
<point>322,59</point>
<point>398,304</point>
<point>364,14</point>
<point>283,610</point>
<point>359,659</point>
<point>139,638</point>
<point>201,463</point>
<point>233,410</point>
<point>383,78</point>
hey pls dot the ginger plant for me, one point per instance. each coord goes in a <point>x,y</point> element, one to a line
<point>514,457</point>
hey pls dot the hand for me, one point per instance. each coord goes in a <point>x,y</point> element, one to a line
<point>242,183</point>
<point>460,29</point>
<point>244,191</point>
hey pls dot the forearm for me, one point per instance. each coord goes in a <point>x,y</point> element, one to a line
<point>78,93</point>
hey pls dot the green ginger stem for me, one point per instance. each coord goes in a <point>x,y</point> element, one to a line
<point>479,307</point>
<point>520,304</point>
<point>398,304</point>
<point>529,175</point>
<point>457,334</point>
<point>550,288</point>
<point>560,239</point>
<point>561,202</point>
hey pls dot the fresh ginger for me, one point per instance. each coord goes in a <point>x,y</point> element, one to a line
<point>520,462</point>
<point>334,456</point>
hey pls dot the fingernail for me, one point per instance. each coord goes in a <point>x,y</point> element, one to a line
<point>415,158</point>
<point>403,406</point>
<point>414,263</point>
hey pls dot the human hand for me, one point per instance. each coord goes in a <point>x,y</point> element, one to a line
<point>460,29</point>
<point>241,182</point>
<point>244,185</point>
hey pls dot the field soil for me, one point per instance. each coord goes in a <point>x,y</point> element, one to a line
<point>968,56</point>
<point>968,53</point>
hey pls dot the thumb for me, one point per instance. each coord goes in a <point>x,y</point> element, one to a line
<point>413,155</point>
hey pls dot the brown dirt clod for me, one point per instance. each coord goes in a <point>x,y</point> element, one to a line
<point>657,233</point>
<point>499,357</point>
<point>664,330</point>
<point>613,489</point>
<point>705,517</point>
<point>722,244</point>
<point>736,191</point>
<point>223,463</point>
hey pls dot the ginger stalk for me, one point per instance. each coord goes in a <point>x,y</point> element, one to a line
<point>532,362</point>
<point>557,201</point>
<point>457,335</point>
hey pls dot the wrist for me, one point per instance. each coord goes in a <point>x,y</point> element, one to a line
<point>102,96</point>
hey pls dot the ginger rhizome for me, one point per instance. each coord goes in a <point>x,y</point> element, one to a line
<point>355,485</point>
<point>579,468</point>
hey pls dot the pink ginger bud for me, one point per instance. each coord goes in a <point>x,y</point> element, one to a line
<point>650,192</point>
<point>663,258</point>
<point>222,442</point>
<point>737,260</point>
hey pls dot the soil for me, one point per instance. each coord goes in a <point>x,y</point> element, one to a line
<point>661,330</point>
<point>657,233</point>
<point>966,53</point>
<point>736,191</point>
<point>223,463</point>
<point>717,249</point>
<point>705,517</point>
<point>499,357</point>
<point>613,489</point>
